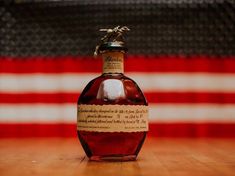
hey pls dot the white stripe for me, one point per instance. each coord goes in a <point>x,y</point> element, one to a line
<point>44,82</point>
<point>19,83</point>
<point>38,113</point>
<point>186,82</point>
<point>192,113</point>
<point>66,113</point>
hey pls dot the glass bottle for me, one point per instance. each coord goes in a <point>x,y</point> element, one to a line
<point>112,110</point>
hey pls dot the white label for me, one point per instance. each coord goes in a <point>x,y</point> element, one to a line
<point>113,62</point>
<point>112,118</point>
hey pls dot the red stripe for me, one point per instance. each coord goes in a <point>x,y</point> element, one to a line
<point>152,97</point>
<point>39,98</point>
<point>192,130</point>
<point>190,97</point>
<point>50,65</point>
<point>37,130</point>
<point>156,129</point>
<point>132,64</point>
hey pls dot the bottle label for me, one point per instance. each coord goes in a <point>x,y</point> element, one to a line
<point>112,118</point>
<point>113,62</point>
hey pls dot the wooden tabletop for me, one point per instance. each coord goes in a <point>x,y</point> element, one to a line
<point>64,156</point>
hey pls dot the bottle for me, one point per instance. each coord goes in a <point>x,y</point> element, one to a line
<point>112,111</point>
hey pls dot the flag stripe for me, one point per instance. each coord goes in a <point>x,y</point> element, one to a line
<point>66,113</point>
<point>37,130</point>
<point>183,129</point>
<point>152,97</point>
<point>189,96</point>
<point>132,64</point>
<point>178,82</point>
<point>155,129</point>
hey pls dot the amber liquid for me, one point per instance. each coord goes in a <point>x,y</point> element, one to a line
<point>118,146</point>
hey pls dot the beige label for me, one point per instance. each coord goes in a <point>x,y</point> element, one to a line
<point>112,118</point>
<point>113,62</point>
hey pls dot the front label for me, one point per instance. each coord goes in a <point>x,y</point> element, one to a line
<point>112,118</point>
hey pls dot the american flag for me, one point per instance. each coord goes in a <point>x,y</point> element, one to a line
<point>188,96</point>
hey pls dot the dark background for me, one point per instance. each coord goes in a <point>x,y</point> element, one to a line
<point>170,27</point>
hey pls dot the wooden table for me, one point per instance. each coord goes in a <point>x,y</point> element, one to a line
<point>64,156</point>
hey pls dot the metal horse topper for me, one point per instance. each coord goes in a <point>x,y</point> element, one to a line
<point>112,35</point>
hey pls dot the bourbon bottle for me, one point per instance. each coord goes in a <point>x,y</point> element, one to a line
<point>112,110</point>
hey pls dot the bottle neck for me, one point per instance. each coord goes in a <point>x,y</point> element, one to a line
<point>113,62</point>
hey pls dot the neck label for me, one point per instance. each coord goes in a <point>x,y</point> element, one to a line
<point>113,62</point>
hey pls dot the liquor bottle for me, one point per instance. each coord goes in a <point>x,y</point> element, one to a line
<point>112,110</point>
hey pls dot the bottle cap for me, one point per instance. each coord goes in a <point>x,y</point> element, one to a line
<point>113,40</point>
<point>120,46</point>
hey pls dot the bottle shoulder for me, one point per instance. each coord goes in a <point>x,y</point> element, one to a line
<point>112,89</point>
<point>121,77</point>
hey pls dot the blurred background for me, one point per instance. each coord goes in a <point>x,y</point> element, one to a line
<point>181,54</point>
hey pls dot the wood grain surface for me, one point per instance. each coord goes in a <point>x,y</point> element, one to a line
<point>160,157</point>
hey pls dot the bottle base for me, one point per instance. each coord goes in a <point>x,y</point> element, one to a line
<point>113,158</point>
